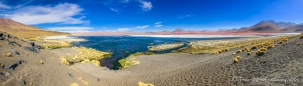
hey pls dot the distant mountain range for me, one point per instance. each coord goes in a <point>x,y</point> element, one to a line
<point>272,26</point>
<point>263,26</point>
<point>22,30</point>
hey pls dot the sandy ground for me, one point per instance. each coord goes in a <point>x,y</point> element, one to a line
<point>280,62</point>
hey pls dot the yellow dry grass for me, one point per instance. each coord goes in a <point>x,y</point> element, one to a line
<point>74,84</point>
<point>143,84</point>
<point>130,60</point>
<point>64,61</point>
<point>73,68</point>
<point>8,55</point>
<point>83,81</point>
<point>96,63</point>
<point>238,57</point>
<point>236,60</point>
<point>2,64</point>
<point>85,55</point>
<point>41,62</point>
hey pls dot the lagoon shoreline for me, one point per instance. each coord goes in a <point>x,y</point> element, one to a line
<point>160,69</point>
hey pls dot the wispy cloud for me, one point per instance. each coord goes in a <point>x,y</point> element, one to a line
<point>113,9</point>
<point>186,16</point>
<point>71,29</point>
<point>4,6</point>
<point>132,28</point>
<point>123,29</point>
<point>158,24</point>
<point>146,6</point>
<point>142,27</point>
<point>113,5</point>
<point>62,13</point>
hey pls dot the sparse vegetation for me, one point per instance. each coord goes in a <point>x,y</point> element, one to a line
<point>149,53</point>
<point>41,62</point>
<point>96,63</point>
<point>83,81</point>
<point>143,84</point>
<point>8,55</point>
<point>64,61</point>
<point>84,55</point>
<point>236,60</point>
<point>130,60</point>
<point>248,53</point>
<point>2,65</point>
<point>238,57</point>
<point>260,53</point>
<point>299,43</point>
<point>254,47</point>
<point>74,84</point>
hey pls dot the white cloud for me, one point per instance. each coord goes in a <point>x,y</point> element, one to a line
<point>146,6</point>
<point>186,16</point>
<point>142,27</point>
<point>115,10</point>
<point>158,24</point>
<point>62,13</point>
<point>123,29</point>
<point>71,29</point>
<point>3,6</point>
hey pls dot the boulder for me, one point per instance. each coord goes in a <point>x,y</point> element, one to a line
<point>7,74</point>
<point>23,82</point>
<point>70,75</point>
<point>32,43</point>
<point>7,35</point>
<point>15,52</point>
<point>1,34</point>
<point>13,66</point>
<point>32,49</point>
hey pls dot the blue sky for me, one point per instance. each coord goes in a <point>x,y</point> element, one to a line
<point>149,15</point>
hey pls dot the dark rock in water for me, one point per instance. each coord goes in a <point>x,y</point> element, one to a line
<point>70,75</point>
<point>15,52</point>
<point>32,43</point>
<point>23,82</point>
<point>7,74</point>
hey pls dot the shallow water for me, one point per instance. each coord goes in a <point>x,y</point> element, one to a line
<point>119,44</point>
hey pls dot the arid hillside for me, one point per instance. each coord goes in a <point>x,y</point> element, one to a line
<point>22,30</point>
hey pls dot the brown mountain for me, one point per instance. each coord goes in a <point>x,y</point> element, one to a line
<point>21,30</point>
<point>295,28</point>
<point>178,30</point>
<point>264,26</point>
